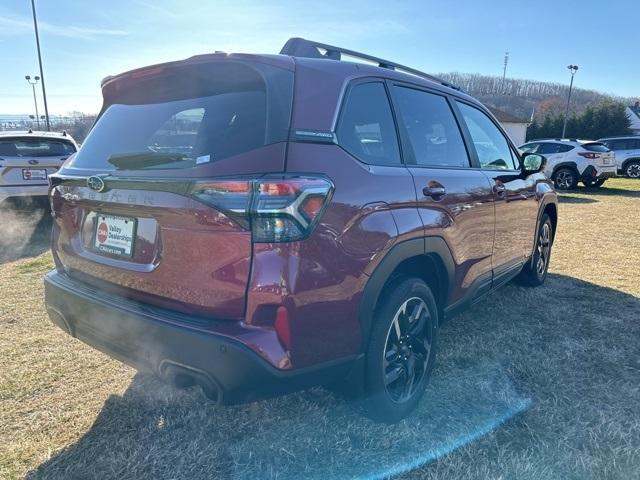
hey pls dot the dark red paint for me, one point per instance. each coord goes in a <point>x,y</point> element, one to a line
<point>191,258</point>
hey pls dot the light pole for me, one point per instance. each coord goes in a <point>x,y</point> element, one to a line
<point>504,70</point>
<point>573,69</point>
<point>33,84</point>
<point>44,92</point>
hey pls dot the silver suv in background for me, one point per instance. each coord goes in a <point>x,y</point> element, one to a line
<point>570,161</point>
<point>27,158</point>
<point>627,150</point>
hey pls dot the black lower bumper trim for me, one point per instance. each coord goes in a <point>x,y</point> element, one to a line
<point>590,173</point>
<point>227,370</point>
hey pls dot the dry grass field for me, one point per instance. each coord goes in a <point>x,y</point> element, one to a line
<point>530,384</point>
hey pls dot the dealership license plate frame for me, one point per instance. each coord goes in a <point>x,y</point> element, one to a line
<point>30,178</point>
<point>111,250</point>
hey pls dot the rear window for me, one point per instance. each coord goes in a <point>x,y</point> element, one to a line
<point>35,147</point>
<point>189,116</point>
<point>595,147</point>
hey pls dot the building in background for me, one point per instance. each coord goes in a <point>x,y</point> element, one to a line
<point>514,126</point>
<point>633,112</point>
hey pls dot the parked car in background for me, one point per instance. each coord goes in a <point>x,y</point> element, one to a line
<point>225,231</point>
<point>627,150</point>
<point>570,161</point>
<point>28,158</point>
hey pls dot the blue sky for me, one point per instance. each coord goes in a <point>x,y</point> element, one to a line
<point>84,41</point>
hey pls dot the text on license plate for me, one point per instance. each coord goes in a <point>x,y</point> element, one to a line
<point>34,174</point>
<point>115,234</point>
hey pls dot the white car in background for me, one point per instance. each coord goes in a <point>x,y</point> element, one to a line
<point>570,161</point>
<point>28,158</point>
<point>627,150</point>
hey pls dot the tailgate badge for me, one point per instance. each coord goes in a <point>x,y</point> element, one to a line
<point>33,162</point>
<point>95,183</point>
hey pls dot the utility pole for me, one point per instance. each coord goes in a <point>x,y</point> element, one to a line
<point>33,84</point>
<point>573,69</point>
<point>504,70</point>
<point>44,92</point>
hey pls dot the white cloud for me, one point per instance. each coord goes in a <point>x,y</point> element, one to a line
<point>16,25</point>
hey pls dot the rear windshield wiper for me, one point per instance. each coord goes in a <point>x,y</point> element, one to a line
<point>139,160</point>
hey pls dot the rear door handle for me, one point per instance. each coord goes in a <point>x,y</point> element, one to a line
<point>434,192</point>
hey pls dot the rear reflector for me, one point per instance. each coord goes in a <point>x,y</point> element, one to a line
<point>276,209</point>
<point>283,329</point>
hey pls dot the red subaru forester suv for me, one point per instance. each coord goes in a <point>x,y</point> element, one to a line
<point>255,224</point>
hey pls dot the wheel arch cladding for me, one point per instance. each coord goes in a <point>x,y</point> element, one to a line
<point>427,258</point>
<point>572,165</point>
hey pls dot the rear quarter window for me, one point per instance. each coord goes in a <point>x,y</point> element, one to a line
<point>366,129</point>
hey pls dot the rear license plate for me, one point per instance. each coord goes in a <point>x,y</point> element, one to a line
<point>115,235</point>
<point>34,174</point>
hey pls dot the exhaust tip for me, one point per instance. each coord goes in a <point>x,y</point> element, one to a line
<point>182,376</point>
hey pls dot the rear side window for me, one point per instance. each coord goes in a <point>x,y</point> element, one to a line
<point>529,147</point>
<point>366,129</point>
<point>35,147</point>
<point>595,147</point>
<point>491,145</point>
<point>623,144</point>
<point>432,130</point>
<point>188,116</point>
<point>551,148</point>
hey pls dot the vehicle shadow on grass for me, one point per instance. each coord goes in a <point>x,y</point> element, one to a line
<point>25,229</point>
<point>573,199</point>
<point>502,368</point>
<point>611,191</point>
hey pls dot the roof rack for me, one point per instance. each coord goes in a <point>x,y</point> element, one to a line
<point>301,47</point>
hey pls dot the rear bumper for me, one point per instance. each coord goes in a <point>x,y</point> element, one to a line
<point>598,173</point>
<point>23,191</point>
<point>227,370</point>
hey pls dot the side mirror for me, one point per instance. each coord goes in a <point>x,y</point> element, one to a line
<point>532,163</point>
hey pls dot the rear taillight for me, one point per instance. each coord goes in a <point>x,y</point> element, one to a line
<point>589,155</point>
<point>282,208</point>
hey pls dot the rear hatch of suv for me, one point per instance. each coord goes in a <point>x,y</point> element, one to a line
<point>153,205</point>
<point>599,153</point>
<point>29,160</point>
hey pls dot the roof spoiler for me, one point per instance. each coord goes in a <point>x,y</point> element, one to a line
<point>301,47</point>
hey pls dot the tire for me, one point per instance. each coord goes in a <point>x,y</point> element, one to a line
<point>535,271</point>
<point>565,179</point>
<point>632,169</point>
<point>594,183</point>
<point>398,367</point>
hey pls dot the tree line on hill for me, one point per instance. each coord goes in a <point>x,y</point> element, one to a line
<point>592,114</point>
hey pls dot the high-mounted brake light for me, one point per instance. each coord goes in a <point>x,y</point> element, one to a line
<point>589,155</point>
<point>281,208</point>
